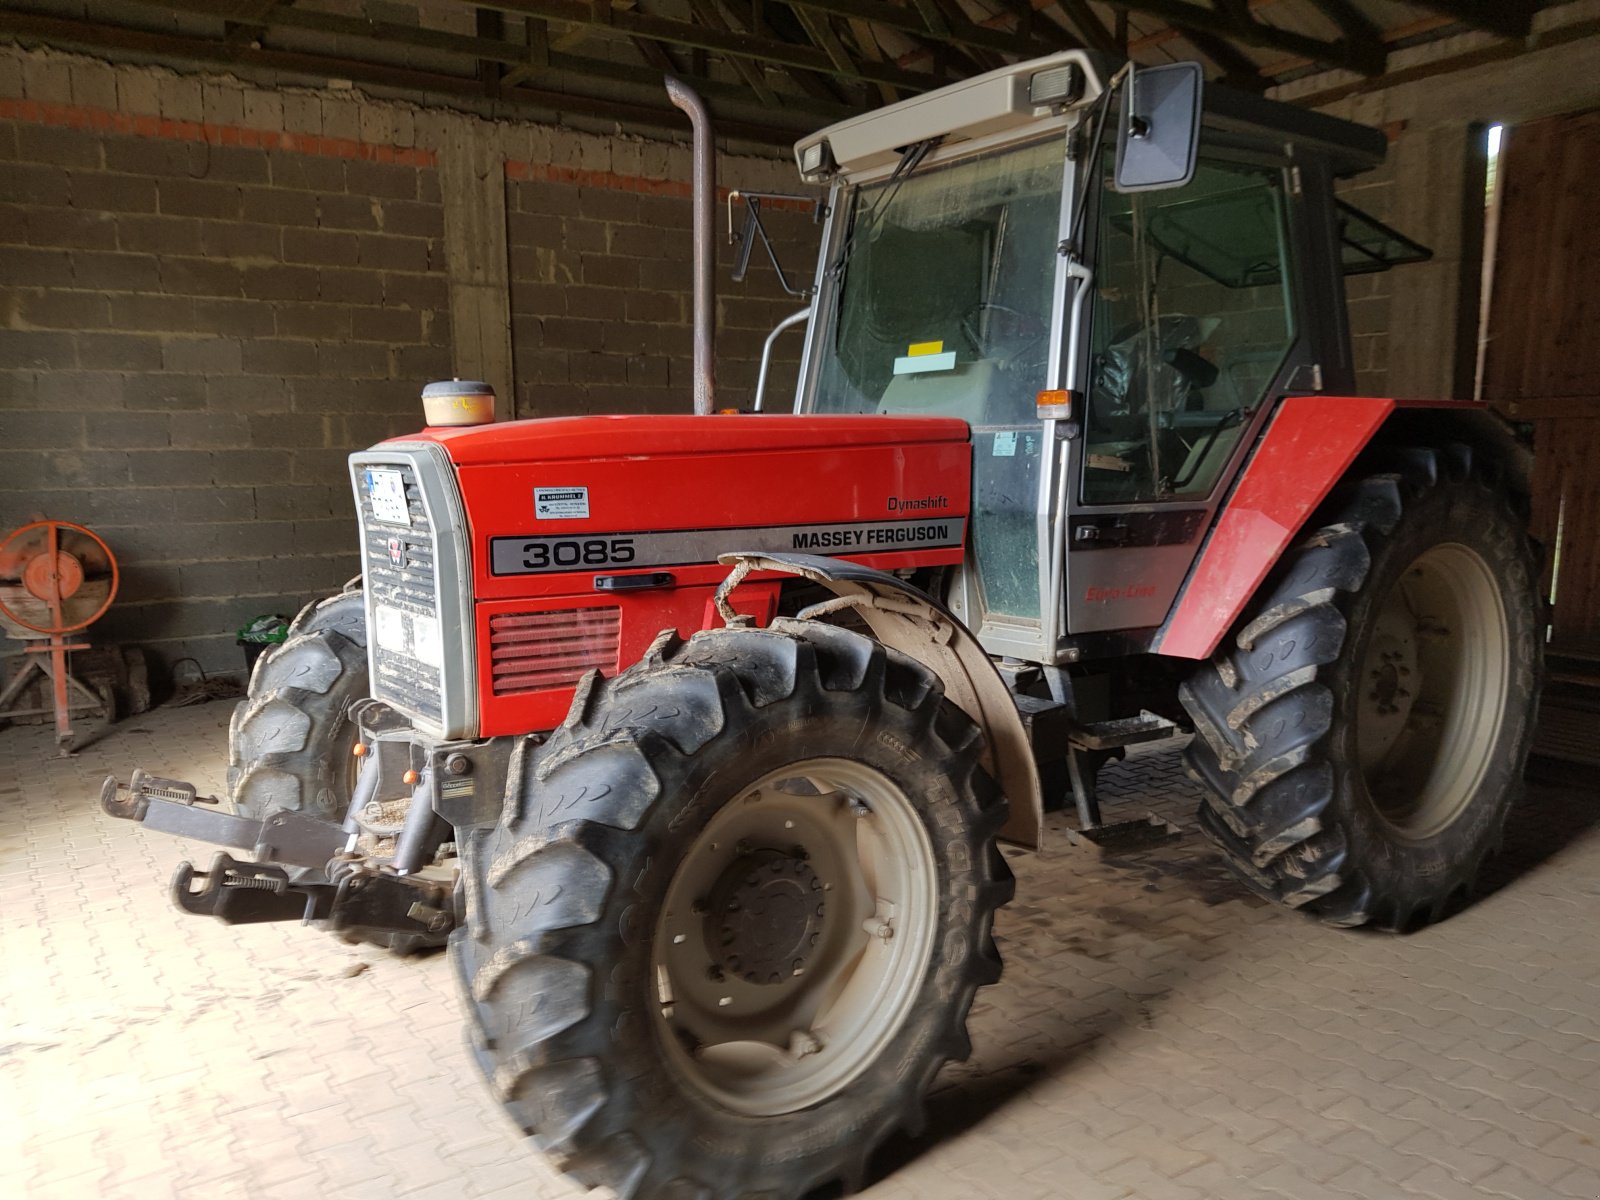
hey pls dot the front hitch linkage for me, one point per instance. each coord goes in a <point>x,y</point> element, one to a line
<point>327,885</point>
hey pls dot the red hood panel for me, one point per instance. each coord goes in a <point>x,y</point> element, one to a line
<point>560,439</point>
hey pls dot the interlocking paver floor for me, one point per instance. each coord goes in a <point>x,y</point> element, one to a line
<point>1159,1033</point>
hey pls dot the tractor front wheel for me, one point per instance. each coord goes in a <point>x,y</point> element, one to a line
<point>290,741</point>
<point>1363,737</point>
<point>734,915</point>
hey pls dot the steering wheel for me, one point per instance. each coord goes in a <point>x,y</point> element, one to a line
<point>1031,328</point>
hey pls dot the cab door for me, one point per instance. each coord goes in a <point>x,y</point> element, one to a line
<point>1195,329</point>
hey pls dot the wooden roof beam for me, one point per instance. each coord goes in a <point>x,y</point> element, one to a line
<point>1352,56</point>
<point>1508,18</point>
<point>912,20</point>
<point>1090,27</point>
<point>617,23</point>
<point>97,35</point>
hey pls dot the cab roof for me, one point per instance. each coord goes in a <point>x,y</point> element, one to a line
<point>998,102</point>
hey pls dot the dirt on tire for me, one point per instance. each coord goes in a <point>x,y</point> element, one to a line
<point>563,893</point>
<point>1276,709</point>
<point>290,739</point>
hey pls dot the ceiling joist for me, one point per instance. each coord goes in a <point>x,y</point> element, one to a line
<point>769,68</point>
<point>1239,25</point>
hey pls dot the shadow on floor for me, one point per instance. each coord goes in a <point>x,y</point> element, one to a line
<point>1560,808</point>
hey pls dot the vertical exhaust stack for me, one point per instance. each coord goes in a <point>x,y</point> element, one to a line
<point>705,199</point>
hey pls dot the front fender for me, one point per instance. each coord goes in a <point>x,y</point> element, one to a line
<point>909,620</point>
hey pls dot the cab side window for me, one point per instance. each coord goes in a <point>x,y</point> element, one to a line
<point>1193,316</point>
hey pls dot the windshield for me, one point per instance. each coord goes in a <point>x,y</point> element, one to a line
<point>944,290</point>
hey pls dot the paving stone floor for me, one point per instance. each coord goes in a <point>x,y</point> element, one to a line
<point>1159,1032</point>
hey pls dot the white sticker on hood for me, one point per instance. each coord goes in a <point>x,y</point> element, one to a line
<point>560,503</point>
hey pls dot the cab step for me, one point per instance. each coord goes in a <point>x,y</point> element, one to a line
<point>1126,731</point>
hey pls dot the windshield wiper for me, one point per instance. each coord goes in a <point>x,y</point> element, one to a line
<point>910,159</point>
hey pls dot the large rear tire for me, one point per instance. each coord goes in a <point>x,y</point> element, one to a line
<point>291,737</point>
<point>734,914</point>
<point>1363,735</point>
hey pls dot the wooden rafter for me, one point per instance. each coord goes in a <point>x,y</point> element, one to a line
<point>1238,25</point>
<point>102,37</point>
<point>1238,68</point>
<point>1508,18</point>
<point>1352,22</point>
<point>962,32</point>
<point>1090,27</point>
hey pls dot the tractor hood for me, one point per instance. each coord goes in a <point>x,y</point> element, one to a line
<point>547,502</point>
<point>563,439</point>
<point>570,543</point>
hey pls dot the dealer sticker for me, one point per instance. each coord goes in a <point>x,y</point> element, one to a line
<point>560,503</point>
<point>387,492</point>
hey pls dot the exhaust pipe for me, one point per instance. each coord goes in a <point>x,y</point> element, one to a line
<point>705,199</point>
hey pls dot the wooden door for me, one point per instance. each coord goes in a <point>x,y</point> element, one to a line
<point>1542,358</point>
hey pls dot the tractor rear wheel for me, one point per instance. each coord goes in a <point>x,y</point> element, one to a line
<point>734,914</point>
<point>291,737</point>
<point>1363,736</point>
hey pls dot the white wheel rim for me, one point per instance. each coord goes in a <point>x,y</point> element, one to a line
<point>1433,690</point>
<point>794,1004</point>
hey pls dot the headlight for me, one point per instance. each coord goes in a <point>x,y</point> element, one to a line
<point>816,161</point>
<point>1059,85</point>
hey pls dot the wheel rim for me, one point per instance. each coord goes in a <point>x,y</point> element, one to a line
<point>795,936</point>
<point>1432,690</point>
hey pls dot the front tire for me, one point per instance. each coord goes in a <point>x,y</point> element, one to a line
<point>290,741</point>
<point>734,915</point>
<point>1363,737</point>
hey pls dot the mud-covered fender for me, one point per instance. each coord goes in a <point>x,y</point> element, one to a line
<point>909,620</point>
<point>1309,444</point>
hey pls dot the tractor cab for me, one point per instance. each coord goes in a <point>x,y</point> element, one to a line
<point>1111,281</point>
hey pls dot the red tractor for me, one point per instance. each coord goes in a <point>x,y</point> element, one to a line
<point>724,715</point>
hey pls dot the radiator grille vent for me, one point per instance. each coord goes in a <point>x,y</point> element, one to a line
<point>532,651</point>
<point>400,578</point>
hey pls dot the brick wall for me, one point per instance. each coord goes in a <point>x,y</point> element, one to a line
<point>194,332</point>
<point>211,292</point>
<point>602,289</point>
<point>1413,327</point>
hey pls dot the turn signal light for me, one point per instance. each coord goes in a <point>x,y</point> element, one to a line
<point>1054,404</point>
<point>409,778</point>
<point>359,750</point>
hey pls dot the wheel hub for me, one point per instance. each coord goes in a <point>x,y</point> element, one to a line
<point>1389,684</point>
<point>765,915</point>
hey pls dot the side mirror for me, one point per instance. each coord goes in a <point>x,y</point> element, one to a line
<point>1158,132</point>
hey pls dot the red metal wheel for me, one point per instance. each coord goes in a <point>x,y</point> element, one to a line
<point>54,562</point>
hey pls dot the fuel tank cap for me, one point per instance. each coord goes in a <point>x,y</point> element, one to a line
<point>458,402</point>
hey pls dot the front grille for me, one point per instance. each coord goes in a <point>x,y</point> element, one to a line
<point>402,601</point>
<point>536,650</point>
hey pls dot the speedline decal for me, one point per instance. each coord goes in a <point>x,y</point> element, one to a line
<point>682,547</point>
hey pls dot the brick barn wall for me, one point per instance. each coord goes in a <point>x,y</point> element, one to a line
<point>602,295</point>
<point>211,292</point>
<point>197,329</point>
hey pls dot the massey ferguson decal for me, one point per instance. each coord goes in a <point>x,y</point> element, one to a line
<point>682,547</point>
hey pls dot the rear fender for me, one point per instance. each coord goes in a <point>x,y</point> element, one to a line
<point>1310,443</point>
<point>907,619</point>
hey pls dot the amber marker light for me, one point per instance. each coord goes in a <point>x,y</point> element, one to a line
<point>1054,404</point>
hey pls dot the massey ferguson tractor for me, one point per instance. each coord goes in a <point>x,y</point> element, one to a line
<point>695,734</point>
